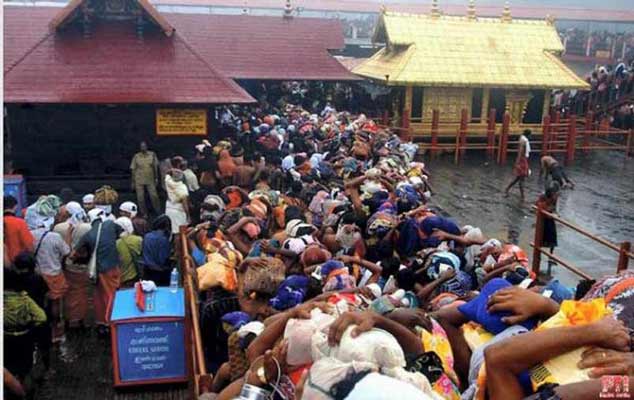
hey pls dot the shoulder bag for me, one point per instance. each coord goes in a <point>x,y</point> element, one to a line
<point>92,264</point>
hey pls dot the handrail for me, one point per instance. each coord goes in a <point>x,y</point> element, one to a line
<point>199,367</point>
<point>564,263</point>
<point>582,231</point>
<point>623,249</point>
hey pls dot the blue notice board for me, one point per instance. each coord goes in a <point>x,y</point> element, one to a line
<point>151,351</point>
<point>149,346</point>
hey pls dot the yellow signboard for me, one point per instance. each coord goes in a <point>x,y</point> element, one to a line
<point>175,121</point>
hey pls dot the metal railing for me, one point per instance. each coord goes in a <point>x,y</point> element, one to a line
<point>197,357</point>
<point>623,249</point>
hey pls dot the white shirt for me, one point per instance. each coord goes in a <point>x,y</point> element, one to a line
<point>191,180</point>
<point>288,162</point>
<point>527,145</point>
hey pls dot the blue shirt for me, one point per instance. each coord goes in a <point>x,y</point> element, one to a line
<point>156,251</point>
<point>437,222</point>
<point>107,254</point>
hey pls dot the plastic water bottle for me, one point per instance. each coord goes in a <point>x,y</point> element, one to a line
<point>174,281</point>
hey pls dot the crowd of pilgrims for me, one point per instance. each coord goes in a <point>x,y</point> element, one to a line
<point>323,270</point>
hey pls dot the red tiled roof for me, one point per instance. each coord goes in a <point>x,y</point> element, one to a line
<point>24,28</point>
<point>259,47</point>
<point>112,66</point>
<point>352,6</point>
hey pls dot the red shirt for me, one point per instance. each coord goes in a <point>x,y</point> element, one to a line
<point>17,237</point>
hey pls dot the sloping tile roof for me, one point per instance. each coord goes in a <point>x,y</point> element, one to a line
<point>454,51</point>
<point>259,47</point>
<point>212,47</point>
<point>112,66</point>
<point>24,28</point>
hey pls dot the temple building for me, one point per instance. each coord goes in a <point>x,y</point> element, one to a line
<point>451,63</point>
<point>84,84</point>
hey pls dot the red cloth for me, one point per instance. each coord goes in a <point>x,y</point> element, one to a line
<point>139,296</point>
<point>107,285</point>
<point>235,200</point>
<point>76,300</point>
<point>521,167</point>
<point>17,237</point>
<point>57,286</point>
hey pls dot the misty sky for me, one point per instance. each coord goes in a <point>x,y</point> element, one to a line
<point>605,4</point>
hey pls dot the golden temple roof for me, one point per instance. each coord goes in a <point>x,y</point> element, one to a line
<point>469,51</point>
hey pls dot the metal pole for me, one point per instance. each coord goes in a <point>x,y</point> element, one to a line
<point>630,144</point>
<point>624,257</point>
<point>538,241</point>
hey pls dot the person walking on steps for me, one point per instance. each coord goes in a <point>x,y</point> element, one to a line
<point>521,168</point>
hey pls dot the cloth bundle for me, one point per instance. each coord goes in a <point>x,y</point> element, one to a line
<point>290,293</point>
<point>106,195</point>
<point>42,213</point>
<point>262,275</point>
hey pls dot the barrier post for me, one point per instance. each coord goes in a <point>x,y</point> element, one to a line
<point>504,138</point>
<point>572,140</point>
<point>546,135</point>
<point>623,256</point>
<point>405,125</point>
<point>464,123</point>
<point>556,129</point>
<point>538,241</point>
<point>630,144</point>
<point>586,133</point>
<point>385,118</point>
<point>491,133</point>
<point>456,154</point>
<point>435,119</point>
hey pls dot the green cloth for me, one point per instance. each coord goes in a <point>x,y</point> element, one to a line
<point>144,167</point>
<point>129,248</point>
<point>21,312</point>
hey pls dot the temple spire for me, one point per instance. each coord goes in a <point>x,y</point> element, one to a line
<point>506,14</point>
<point>288,9</point>
<point>435,11</point>
<point>471,11</point>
